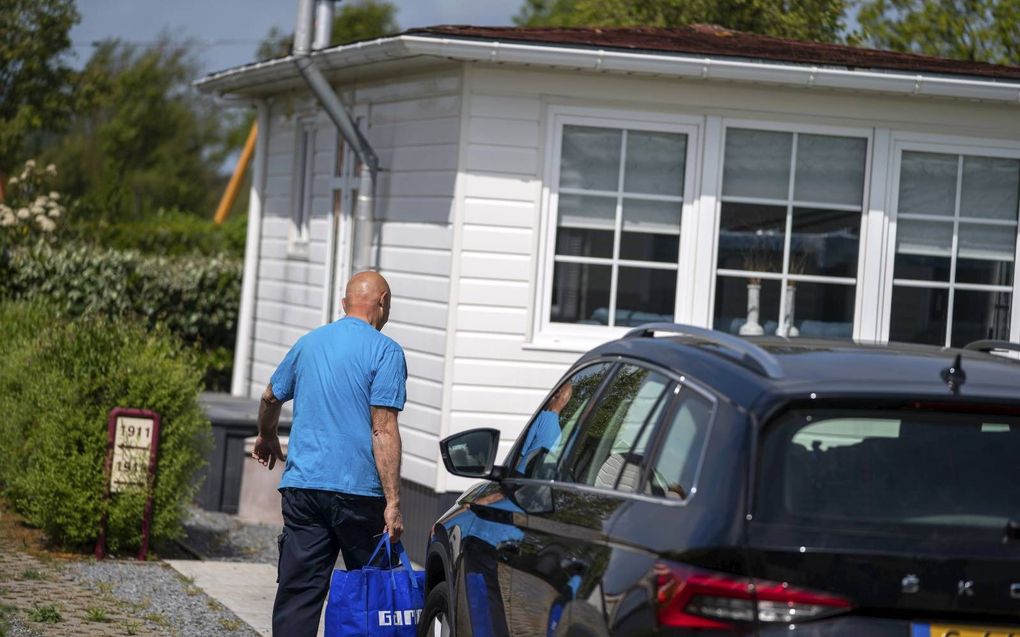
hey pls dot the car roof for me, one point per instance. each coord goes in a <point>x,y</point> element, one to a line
<point>807,368</point>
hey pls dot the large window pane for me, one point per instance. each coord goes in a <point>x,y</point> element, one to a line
<point>606,453</point>
<point>586,226</point>
<point>732,309</point>
<point>675,469</point>
<point>830,169</point>
<point>590,158</point>
<point>655,163</point>
<point>822,310</point>
<point>825,242</point>
<point>645,296</point>
<point>990,188</point>
<point>928,183</point>
<point>751,237</point>
<point>581,293</point>
<point>757,164</point>
<point>980,315</point>
<point>924,250</point>
<point>919,315</point>
<point>985,254</point>
<point>651,230</point>
<point>543,447</point>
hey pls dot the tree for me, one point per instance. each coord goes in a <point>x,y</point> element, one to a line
<point>356,21</point>
<point>973,30</point>
<point>141,138</point>
<point>34,82</point>
<point>817,20</point>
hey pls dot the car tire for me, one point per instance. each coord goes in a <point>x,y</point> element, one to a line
<point>436,619</point>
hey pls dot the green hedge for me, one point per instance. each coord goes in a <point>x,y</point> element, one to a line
<point>195,297</point>
<point>60,379</point>
<point>167,233</point>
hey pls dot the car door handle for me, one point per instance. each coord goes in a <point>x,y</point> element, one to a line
<point>573,566</point>
<point>509,548</point>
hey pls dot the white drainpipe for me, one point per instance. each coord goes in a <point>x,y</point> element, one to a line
<point>242,376</point>
<point>308,12</point>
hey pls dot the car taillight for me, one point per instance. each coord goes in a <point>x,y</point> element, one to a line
<point>695,598</point>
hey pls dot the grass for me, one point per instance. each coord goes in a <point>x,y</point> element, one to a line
<point>130,628</point>
<point>157,619</point>
<point>47,614</point>
<point>30,574</point>
<point>96,614</point>
<point>231,624</point>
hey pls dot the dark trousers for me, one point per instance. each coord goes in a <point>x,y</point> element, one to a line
<point>316,526</point>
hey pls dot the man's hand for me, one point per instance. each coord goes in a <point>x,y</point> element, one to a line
<point>394,522</point>
<point>267,451</point>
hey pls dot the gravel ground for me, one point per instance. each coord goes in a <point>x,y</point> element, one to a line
<point>220,536</point>
<point>161,598</point>
<point>163,601</point>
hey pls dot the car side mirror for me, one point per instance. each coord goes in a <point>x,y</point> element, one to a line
<point>472,454</point>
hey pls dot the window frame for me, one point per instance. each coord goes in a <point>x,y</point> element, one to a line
<point>555,334</point>
<point>302,187</point>
<point>859,281</point>
<point>950,145</point>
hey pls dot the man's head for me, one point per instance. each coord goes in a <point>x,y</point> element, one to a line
<point>368,297</point>
<point>560,399</point>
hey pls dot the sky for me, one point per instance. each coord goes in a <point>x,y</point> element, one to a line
<point>228,31</point>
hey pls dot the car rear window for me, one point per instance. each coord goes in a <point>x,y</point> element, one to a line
<point>895,471</point>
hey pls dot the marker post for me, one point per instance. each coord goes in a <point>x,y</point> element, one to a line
<point>132,451</point>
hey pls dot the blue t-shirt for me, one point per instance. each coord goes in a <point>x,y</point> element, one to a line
<point>335,374</point>
<point>543,434</point>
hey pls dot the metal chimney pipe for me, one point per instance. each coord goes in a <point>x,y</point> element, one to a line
<point>323,24</point>
<point>303,27</point>
<point>364,217</point>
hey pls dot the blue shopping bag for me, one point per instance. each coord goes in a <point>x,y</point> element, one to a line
<point>376,602</point>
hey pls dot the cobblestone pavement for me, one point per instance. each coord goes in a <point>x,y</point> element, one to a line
<point>44,594</point>
<point>42,598</point>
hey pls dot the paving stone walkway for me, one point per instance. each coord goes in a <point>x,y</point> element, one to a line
<point>45,599</point>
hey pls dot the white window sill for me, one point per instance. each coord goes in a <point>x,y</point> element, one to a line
<point>573,342</point>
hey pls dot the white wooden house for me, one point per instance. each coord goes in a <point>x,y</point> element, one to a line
<point>542,189</point>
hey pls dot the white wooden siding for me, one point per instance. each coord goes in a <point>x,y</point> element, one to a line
<point>498,375</point>
<point>415,129</point>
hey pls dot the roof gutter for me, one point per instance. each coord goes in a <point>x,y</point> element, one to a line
<point>306,65</point>
<point>635,63</point>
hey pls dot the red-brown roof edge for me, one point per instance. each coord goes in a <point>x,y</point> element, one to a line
<point>715,41</point>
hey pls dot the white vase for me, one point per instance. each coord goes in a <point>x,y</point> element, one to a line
<point>752,327</point>
<point>789,329</point>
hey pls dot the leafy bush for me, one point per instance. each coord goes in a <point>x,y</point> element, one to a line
<point>196,298</point>
<point>32,207</point>
<point>61,379</point>
<point>167,233</point>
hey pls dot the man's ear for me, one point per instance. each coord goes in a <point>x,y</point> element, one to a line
<point>343,304</point>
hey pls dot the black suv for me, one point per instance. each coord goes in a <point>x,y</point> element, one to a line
<point>696,483</point>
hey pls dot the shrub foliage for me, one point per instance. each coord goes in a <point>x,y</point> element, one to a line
<point>195,297</point>
<point>61,379</point>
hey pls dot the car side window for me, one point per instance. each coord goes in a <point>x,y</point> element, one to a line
<point>612,443</point>
<point>546,437</point>
<point>674,471</point>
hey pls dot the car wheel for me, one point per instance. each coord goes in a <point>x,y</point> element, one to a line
<point>436,620</point>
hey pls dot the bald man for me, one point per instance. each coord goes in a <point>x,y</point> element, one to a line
<point>341,484</point>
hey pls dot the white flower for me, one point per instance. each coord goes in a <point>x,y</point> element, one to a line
<point>51,169</point>
<point>7,218</point>
<point>23,213</point>
<point>4,209</point>
<point>36,209</point>
<point>41,200</point>
<point>45,223</point>
<point>30,163</point>
<point>56,211</point>
<point>13,181</point>
<point>54,195</point>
